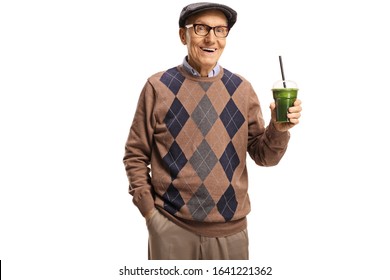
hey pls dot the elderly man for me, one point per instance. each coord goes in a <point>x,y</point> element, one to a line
<point>185,156</point>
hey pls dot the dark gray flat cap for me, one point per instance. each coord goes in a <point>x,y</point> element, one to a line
<point>195,8</point>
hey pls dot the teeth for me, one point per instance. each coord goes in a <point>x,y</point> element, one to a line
<point>208,50</point>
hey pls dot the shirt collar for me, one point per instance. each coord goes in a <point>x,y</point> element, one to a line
<point>192,71</point>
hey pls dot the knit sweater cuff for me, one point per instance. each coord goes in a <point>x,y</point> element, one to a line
<point>143,199</point>
<point>277,136</point>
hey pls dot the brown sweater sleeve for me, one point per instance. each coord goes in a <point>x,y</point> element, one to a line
<point>266,146</point>
<point>138,150</point>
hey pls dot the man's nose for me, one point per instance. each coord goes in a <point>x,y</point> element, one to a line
<point>211,36</point>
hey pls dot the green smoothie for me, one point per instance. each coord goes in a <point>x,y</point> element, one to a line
<point>284,99</point>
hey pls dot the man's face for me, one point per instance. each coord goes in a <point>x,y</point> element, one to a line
<point>204,51</point>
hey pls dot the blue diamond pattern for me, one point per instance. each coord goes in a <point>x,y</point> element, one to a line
<point>232,118</point>
<point>173,80</point>
<point>176,117</point>
<point>172,200</point>
<point>231,81</point>
<point>229,160</point>
<point>227,204</point>
<point>200,204</point>
<point>175,160</point>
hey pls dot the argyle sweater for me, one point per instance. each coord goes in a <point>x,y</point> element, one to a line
<point>187,146</point>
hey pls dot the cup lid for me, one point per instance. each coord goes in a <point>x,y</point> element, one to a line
<point>285,84</point>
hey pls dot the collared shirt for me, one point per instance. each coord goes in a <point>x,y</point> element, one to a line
<point>192,71</point>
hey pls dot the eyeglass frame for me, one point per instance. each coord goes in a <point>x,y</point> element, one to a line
<point>209,29</point>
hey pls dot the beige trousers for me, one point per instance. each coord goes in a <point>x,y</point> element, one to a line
<point>168,241</point>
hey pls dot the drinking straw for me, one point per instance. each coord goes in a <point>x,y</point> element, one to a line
<point>281,69</point>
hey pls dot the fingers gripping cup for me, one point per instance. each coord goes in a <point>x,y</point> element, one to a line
<point>284,93</point>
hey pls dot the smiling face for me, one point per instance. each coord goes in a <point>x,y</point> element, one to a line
<point>204,51</point>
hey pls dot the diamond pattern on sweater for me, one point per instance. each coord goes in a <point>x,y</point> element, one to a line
<point>176,117</point>
<point>200,204</point>
<point>227,204</point>
<point>172,200</point>
<point>229,160</point>
<point>204,115</point>
<point>196,157</point>
<point>175,160</point>
<point>232,118</point>
<point>205,85</point>
<point>173,80</point>
<point>231,81</point>
<point>203,160</point>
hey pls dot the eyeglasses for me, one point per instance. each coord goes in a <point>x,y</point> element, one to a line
<point>204,30</point>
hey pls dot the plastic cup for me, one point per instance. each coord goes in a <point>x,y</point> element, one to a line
<point>285,93</point>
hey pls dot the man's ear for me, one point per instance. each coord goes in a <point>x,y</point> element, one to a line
<point>182,34</point>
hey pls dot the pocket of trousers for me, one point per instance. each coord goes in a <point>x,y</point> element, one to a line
<point>157,223</point>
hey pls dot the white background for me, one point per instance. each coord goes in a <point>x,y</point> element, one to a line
<point>70,75</point>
